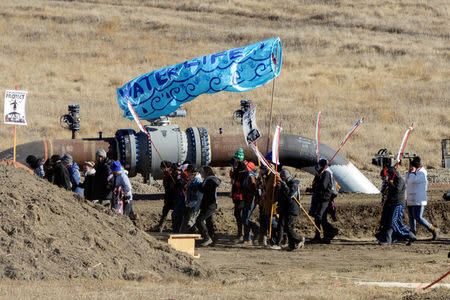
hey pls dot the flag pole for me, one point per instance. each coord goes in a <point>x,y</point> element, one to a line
<point>271,103</point>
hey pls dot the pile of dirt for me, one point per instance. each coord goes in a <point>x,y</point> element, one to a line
<point>49,233</point>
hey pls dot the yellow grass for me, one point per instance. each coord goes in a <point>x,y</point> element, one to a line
<point>385,60</point>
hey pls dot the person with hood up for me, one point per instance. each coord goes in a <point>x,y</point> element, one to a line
<point>36,165</point>
<point>122,188</point>
<point>208,206</point>
<point>393,227</point>
<point>416,196</point>
<point>192,200</point>
<point>88,183</point>
<point>74,173</point>
<point>58,173</point>
<point>288,209</point>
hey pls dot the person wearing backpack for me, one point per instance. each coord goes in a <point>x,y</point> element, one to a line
<point>288,210</point>
<point>74,173</point>
<point>208,206</point>
<point>323,190</point>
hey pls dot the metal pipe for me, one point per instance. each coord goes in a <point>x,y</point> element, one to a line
<point>195,145</point>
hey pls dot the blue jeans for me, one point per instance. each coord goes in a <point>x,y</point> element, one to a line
<point>249,226</point>
<point>415,213</point>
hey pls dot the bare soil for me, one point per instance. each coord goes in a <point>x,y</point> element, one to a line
<point>49,233</point>
<point>67,248</point>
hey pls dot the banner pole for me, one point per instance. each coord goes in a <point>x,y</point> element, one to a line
<point>271,104</point>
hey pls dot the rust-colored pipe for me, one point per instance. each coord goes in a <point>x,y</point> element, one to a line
<point>81,150</point>
<point>223,148</point>
<point>295,151</point>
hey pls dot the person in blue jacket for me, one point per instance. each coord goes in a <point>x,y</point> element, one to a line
<point>74,173</point>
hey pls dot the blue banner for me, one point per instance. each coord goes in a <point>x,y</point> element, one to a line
<point>161,92</point>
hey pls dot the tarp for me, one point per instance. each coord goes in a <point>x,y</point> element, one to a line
<point>161,92</point>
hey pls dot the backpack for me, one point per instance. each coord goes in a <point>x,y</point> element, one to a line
<point>334,186</point>
<point>246,182</point>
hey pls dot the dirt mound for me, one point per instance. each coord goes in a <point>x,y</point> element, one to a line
<point>49,233</point>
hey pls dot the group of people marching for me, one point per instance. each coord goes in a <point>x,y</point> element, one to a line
<point>105,181</point>
<point>396,194</point>
<point>191,194</point>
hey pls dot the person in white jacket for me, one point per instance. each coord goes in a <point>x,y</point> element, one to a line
<point>416,196</point>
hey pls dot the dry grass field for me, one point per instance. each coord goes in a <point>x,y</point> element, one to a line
<point>385,60</point>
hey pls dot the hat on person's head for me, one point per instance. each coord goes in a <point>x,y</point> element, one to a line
<point>239,154</point>
<point>285,174</point>
<point>415,162</point>
<point>55,158</point>
<point>89,163</point>
<point>101,153</point>
<point>390,171</point>
<point>322,162</point>
<point>31,159</point>
<point>116,166</point>
<point>191,169</point>
<point>67,159</point>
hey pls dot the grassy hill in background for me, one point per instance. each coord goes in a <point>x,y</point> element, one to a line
<point>385,60</point>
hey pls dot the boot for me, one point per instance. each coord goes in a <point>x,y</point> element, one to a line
<point>435,231</point>
<point>238,240</point>
<point>162,224</point>
<point>206,242</point>
<point>316,238</point>
<point>264,241</point>
<point>411,238</point>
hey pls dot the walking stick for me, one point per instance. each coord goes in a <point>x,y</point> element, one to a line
<point>309,217</point>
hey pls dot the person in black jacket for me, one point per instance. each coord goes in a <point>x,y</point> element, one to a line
<point>288,209</point>
<point>393,227</point>
<point>102,172</point>
<point>322,189</point>
<point>59,174</point>
<point>208,206</point>
<point>170,191</point>
<point>88,183</point>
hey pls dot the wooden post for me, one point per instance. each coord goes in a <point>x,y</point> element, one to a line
<point>14,142</point>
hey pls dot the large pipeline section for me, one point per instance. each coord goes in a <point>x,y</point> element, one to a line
<point>137,154</point>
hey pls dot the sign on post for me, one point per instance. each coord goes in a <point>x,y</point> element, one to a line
<point>251,132</point>
<point>14,112</point>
